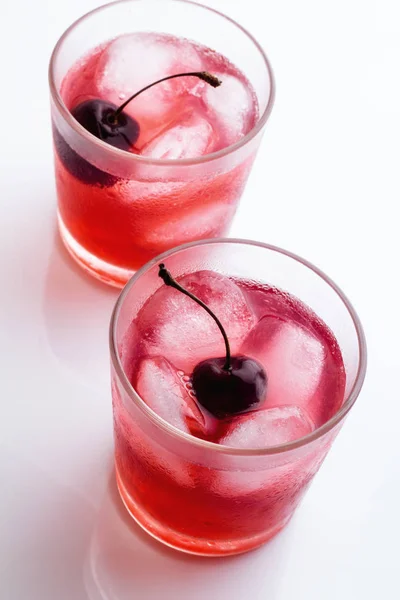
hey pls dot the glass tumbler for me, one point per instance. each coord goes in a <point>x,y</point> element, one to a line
<point>195,495</point>
<point>131,207</point>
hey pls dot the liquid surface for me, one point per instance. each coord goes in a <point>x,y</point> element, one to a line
<point>179,118</point>
<point>300,355</point>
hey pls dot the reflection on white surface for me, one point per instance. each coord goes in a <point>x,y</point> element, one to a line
<point>77,309</point>
<point>46,525</point>
<point>124,563</point>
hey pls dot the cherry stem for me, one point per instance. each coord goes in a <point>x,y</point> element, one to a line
<point>169,280</point>
<point>204,75</point>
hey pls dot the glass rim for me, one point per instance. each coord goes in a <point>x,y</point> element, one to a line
<point>117,152</point>
<point>204,444</point>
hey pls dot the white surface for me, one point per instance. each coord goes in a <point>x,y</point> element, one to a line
<point>325,185</point>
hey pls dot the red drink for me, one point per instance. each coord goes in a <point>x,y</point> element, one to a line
<point>182,178</point>
<point>128,221</point>
<point>211,499</point>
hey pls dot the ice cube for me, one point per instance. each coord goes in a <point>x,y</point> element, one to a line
<point>168,393</point>
<point>203,221</point>
<point>293,358</point>
<point>174,326</point>
<point>131,440</point>
<point>233,105</point>
<point>133,61</point>
<point>189,138</point>
<point>268,427</point>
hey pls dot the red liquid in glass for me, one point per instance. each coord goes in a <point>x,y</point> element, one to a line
<point>224,506</point>
<point>146,211</point>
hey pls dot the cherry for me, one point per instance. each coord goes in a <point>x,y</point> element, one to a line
<point>100,118</point>
<point>109,123</point>
<point>227,392</point>
<point>78,166</point>
<point>228,385</point>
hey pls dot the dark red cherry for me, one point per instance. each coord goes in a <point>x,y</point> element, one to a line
<point>225,393</point>
<point>108,123</point>
<point>224,386</point>
<point>78,166</point>
<point>101,120</point>
<point>97,117</point>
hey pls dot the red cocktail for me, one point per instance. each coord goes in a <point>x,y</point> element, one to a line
<point>184,149</point>
<point>198,473</point>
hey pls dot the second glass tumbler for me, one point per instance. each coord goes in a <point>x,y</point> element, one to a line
<point>171,166</point>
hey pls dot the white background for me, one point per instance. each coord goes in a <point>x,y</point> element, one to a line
<point>325,185</point>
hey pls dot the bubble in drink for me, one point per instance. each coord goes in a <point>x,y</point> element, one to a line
<point>167,394</point>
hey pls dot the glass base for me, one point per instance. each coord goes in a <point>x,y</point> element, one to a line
<point>189,545</point>
<point>100,269</point>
